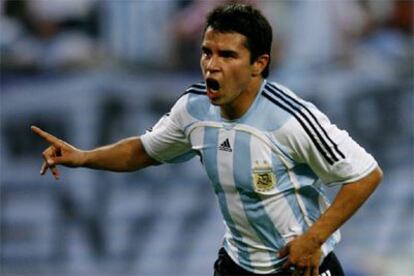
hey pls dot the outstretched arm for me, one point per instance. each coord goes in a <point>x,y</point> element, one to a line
<point>304,251</point>
<point>126,155</point>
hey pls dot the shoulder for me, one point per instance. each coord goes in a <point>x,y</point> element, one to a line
<point>196,89</point>
<point>192,92</point>
<point>299,115</point>
<point>193,103</point>
<point>309,129</point>
<point>279,105</point>
<point>282,96</point>
<point>302,112</point>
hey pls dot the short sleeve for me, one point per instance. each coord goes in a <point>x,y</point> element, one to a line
<point>331,153</point>
<point>166,141</point>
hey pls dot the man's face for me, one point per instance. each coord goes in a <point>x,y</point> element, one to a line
<point>226,67</point>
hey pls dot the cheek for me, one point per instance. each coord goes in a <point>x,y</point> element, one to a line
<point>202,65</point>
<point>241,75</point>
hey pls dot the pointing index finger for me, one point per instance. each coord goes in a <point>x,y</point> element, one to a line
<point>47,136</point>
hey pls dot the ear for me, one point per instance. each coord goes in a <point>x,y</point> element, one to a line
<point>260,64</point>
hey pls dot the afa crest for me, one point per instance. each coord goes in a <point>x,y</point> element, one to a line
<point>264,179</point>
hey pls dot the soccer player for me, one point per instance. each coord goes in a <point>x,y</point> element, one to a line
<point>268,153</point>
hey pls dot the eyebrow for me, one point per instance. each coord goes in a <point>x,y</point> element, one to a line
<point>227,52</point>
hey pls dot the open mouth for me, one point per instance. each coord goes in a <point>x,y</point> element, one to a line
<point>213,85</point>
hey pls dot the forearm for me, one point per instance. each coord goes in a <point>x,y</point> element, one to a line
<point>346,203</point>
<point>126,155</point>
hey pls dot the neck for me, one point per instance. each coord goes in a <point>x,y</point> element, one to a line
<point>242,103</point>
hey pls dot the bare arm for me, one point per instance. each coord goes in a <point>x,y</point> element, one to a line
<point>304,251</point>
<point>125,155</point>
<point>348,200</point>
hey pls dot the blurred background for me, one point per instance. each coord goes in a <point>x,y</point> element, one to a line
<point>92,72</point>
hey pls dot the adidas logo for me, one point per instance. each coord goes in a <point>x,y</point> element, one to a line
<point>225,146</point>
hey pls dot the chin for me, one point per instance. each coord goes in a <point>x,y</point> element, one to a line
<point>213,102</point>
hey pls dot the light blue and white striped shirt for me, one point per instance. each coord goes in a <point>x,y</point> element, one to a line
<point>268,168</point>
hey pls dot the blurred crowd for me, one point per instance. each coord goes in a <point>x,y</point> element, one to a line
<point>90,64</point>
<point>317,35</point>
<point>48,35</point>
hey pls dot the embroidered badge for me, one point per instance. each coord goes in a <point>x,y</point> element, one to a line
<point>264,180</point>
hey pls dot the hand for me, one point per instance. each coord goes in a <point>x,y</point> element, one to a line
<point>304,254</point>
<point>58,153</point>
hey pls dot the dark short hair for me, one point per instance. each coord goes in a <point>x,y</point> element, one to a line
<point>245,20</point>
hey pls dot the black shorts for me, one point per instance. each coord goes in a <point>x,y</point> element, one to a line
<point>225,266</point>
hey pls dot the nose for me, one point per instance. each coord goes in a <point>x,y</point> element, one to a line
<point>212,64</point>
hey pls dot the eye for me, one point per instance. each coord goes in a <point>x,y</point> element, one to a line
<point>205,52</point>
<point>228,54</point>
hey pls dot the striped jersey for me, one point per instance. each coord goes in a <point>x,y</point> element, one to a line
<point>269,168</point>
